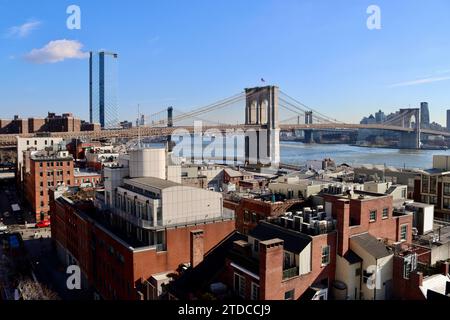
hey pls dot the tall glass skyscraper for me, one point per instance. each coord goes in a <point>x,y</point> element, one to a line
<point>424,114</point>
<point>103,89</point>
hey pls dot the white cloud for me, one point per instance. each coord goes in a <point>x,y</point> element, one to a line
<point>419,81</point>
<point>24,29</point>
<point>57,51</point>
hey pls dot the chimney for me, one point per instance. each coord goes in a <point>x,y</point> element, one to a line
<point>197,247</point>
<point>343,224</point>
<point>417,278</point>
<point>271,269</point>
<point>444,268</point>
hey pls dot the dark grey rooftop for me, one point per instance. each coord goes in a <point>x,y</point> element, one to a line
<point>152,182</point>
<point>371,245</point>
<point>352,257</point>
<point>434,171</point>
<point>294,241</point>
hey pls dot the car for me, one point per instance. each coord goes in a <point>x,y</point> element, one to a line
<point>43,224</point>
<point>3,227</point>
<point>6,214</point>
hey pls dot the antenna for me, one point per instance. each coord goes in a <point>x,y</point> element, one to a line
<point>139,127</point>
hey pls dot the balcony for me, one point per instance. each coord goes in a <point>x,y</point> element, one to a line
<point>139,222</point>
<point>290,273</point>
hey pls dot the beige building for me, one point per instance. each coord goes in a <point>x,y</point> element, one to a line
<point>365,271</point>
<point>37,144</point>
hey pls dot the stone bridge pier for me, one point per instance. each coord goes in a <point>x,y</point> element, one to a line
<point>410,119</point>
<point>262,145</point>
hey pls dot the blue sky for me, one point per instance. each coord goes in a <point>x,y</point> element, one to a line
<point>190,53</point>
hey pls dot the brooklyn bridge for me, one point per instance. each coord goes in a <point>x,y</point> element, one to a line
<point>261,109</point>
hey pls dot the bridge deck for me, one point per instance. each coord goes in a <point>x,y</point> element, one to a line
<point>10,139</point>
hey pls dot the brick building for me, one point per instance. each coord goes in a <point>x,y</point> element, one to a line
<point>366,222</point>
<point>52,123</point>
<point>249,211</point>
<point>117,262</point>
<point>78,149</point>
<point>16,125</point>
<point>86,178</point>
<point>432,186</point>
<point>332,251</point>
<point>410,282</point>
<point>275,261</point>
<point>44,170</point>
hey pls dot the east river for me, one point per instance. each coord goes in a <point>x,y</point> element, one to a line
<point>298,153</point>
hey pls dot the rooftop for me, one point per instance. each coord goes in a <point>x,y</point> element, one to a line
<point>434,171</point>
<point>371,245</point>
<point>233,173</point>
<point>151,182</point>
<point>85,173</point>
<point>197,279</point>
<point>363,195</point>
<point>436,283</point>
<point>81,200</point>
<point>294,241</point>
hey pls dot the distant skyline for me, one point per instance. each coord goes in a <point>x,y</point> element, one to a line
<point>191,53</point>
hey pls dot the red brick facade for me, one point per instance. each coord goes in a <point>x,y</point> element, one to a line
<point>113,268</point>
<point>271,284</point>
<point>43,174</point>
<point>250,211</point>
<point>359,210</point>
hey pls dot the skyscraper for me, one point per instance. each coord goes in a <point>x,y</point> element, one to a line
<point>380,117</point>
<point>424,114</point>
<point>103,89</point>
<point>448,120</point>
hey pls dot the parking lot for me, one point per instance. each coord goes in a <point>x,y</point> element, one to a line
<point>8,198</point>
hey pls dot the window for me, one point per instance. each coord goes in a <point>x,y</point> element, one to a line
<point>403,232</point>
<point>28,142</point>
<point>425,184</point>
<point>433,184</point>
<point>325,255</point>
<point>446,189</point>
<point>446,203</point>
<point>68,163</point>
<point>246,216</point>
<point>433,200</point>
<point>289,295</point>
<point>40,164</point>
<point>404,193</point>
<point>68,182</point>
<point>255,291</point>
<point>373,215</point>
<point>256,245</point>
<point>289,260</point>
<point>385,213</point>
<point>239,285</point>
